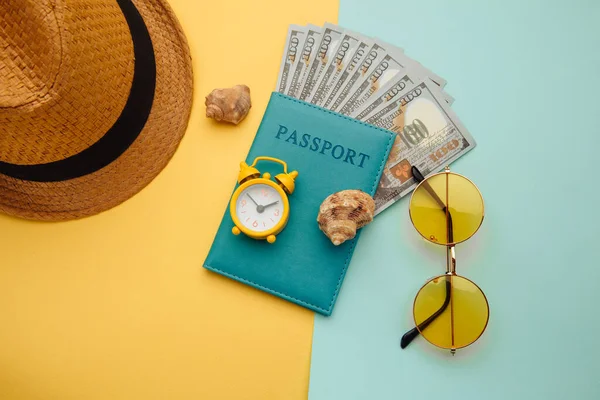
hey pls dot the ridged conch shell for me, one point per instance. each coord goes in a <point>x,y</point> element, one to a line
<point>343,213</point>
<point>230,105</point>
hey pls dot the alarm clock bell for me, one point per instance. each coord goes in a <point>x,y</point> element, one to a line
<point>286,180</point>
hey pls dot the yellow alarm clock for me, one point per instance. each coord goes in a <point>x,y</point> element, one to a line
<point>259,206</point>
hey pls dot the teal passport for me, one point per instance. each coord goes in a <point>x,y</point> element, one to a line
<point>331,152</point>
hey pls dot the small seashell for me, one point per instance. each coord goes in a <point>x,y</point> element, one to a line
<point>229,105</point>
<point>343,213</point>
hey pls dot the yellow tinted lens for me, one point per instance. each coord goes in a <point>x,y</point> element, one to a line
<point>465,207</point>
<point>456,308</point>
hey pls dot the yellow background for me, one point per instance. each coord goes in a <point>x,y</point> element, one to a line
<point>118,306</point>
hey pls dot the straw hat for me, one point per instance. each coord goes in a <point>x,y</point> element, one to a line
<point>95,96</point>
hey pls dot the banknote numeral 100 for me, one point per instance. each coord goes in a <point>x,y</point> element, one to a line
<point>358,55</point>
<point>444,150</point>
<point>394,91</point>
<point>379,71</point>
<point>310,42</point>
<point>342,53</point>
<point>368,61</point>
<point>293,48</point>
<point>414,133</point>
<point>324,46</point>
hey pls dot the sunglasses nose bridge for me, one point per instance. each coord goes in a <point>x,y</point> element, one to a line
<point>450,260</point>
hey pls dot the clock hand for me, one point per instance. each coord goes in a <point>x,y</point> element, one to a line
<point>273,203</point>
<point>253,200</point>
<point>259,208</point>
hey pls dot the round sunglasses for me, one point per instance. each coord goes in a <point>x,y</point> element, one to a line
<point>449,311</point>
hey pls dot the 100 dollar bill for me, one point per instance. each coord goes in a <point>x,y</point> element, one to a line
<point>390,91</point>
<point>397,87</point>
<point>329,43</point>
<point>341,90</point>
<point>429,136</point>
<point>309,50</point>
<point>349,54</point>
<point>391,66</point>
<point>291,56</point>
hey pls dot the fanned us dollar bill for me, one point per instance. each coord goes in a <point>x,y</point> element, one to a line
<point>390,91</point>
<point>349,55</point>
<point>342,89</point>
<point>429,136</point>
<point>329,43</point>
<point>307,54</point>
<point>397,87</point>
<point>291,56</point>
<point>391,66</point>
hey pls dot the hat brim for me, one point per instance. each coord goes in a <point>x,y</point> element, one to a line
<point>125,162</point>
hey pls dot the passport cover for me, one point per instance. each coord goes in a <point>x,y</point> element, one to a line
<point>331,152</point>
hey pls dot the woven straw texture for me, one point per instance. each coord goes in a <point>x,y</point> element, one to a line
<point>66,69</point>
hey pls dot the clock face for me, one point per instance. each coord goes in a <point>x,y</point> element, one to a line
<point>259,207</point>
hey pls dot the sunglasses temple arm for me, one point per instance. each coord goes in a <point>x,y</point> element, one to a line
<point>420,178</point>
<point>409,337</point>
<point>417,174</point>
<point>414,332</point>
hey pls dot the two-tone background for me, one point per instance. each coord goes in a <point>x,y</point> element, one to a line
<point>117,306</point>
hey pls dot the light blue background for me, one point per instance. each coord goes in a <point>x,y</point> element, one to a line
<point>526,77</point>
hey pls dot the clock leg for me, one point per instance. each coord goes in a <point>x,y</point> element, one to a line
<point>236,231</point>
<point>271,238</point>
